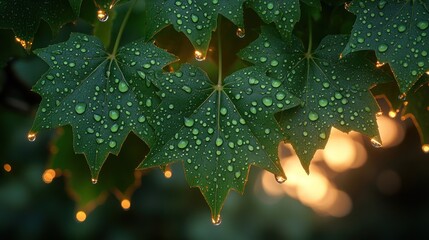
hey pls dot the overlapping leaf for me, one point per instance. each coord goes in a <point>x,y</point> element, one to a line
<point>24,16</point>
<point>284,13</point>
<point>72,166</point>
<point>196,19</point>
<point>218,131</point>
<point>102,96</point>
<point>334,92</point>
<point>398,32</point>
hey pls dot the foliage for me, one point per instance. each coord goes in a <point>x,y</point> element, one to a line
<point>220,126</point>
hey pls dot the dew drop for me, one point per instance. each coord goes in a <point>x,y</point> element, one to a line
<point>219,142</point>
<point>141,74</point>
<point>382,48</point>
<point>112,144</point>
<point>217,220</point>
<point>102,15</point>
<point>241,33</point>
<point>280,179</point>
<point>123,87</point>
<point>94,181</point>
<point>189,122</point>
<point>187,89</point>
<point>199,56</point>
<point>323,102</point>
<point>422,25</point>
<point>113,114</point>
<point>31,136</point>
<point>182,144</point>
<point>80,108</point>
<point>237,174</point>
<point>267,101</point>
<point>313,116</point>
<point>376,143</point>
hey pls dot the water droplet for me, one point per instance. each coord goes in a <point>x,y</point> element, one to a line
<point>280,179</point>
<point>123,87</point>
<point>80,108</point>
<point>422,25</point>
<point>182,144</point>
<point>313,116</point>
<point>241,33</point>
<point>189,122</point>
<point>382,48</point>
<point>237,174</point>
<point>323,102</point>
<point>113,114</point>
<point>267,101</point>
<point>141,74</point>
<point>425,148</point>
<point>102,15</point>
<point>112,144</point>
<point>217,220</point>
<point>402,28</point>
<point>31,136</point>
<point>94,181</point>
<point>187,89</point>
<point>199,56</point>
<point>219,142</point>
<point>376,143</point>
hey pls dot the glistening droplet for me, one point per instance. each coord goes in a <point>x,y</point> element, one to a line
<point>425,148</point>
<point>217,220</point>
<point>199,56</point>
<point>31,136</point>
<point>102,15</point>
<point>280,179</point>
<point>241,33</point>
<point>375,143</point>
<point>94,181</point>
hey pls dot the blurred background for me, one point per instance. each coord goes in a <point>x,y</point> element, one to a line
<point>356,189</point>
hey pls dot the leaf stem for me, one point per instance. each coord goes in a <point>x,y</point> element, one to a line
<point>219,46</point>
<point>121,29</point>
<point>310,37</point>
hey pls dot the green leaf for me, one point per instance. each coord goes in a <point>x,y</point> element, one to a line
<point>24,16</point>
<point>398,33</point>
<point>102,96</point>
<point>334,92</point>
<point>72,166</point>
<point>196,19</point>
<point>284,13</point>
<point>417,109</point>
<point>313,3</point>
<point>218,131</point>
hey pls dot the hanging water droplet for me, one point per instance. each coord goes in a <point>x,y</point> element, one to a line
<point>94,181</point>
<point>402,97</point>
<point>241,33</point>
<point>102,15</point>
<point>280,179</point>
<point>80,108</point>
<point>199,56</point>
<point>425,148</point>
<point>217,220</point>
<point>375,143</point>
<point>31,136</point>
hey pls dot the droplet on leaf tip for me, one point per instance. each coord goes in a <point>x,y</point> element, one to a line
<point>375,143</point>
<point>241,33</point>
<point>125,204</point>
<point>217,220</point>
<point>102,15</point>
<point>199,56</point>
<point>280,179</point>
<point>31,136</point>
<point>392,114</point>
<point>168,173</point>
<point>94,180</point>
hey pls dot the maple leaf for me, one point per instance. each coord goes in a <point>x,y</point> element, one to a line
<point>24,16</point>
<point>218,131</point>
<point>102,96</point>
<point>334,92</point>
<point>398,33</point>
<point>196,19</point>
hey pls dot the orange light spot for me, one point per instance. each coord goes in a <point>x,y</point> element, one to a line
<point>48,175</point>
<point>125,204</point>
<point>425,148</point>
<point>199,56</point>
<point>168,173</point>
<point>7,167</point>
<point>81,216</point>
<point>379,64</point>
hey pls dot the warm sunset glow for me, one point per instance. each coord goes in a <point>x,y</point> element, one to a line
<point>312,188</point>
<point>25,44</point>
<point>379,64</point>
<point>7,167</point>
<point>199,56</point>
<point>391,132</point>
<point>340,151</point>
<point>31,136</point>
<point>425,148</point>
